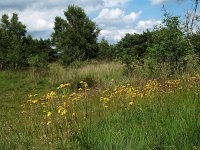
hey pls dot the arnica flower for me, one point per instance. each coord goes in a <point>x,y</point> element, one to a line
<point>49,122</point>
<point>112,80</point>
<point>64,85</point>
<point>80,89</point>
<point>49,114</point>
<point>23,112</point>
<point>84,84</point>
<point>130,103</point>
<point>73,114</point>
<point>50,95</point>
<point>22,106</point>
<point>63,112</point>
<point>105,106</point>
<point>30,95</point>
<point>34,101</point>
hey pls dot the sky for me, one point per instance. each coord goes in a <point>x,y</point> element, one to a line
<point>115,18</point>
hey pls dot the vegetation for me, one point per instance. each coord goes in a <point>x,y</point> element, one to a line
<point>71,92</point>
<point>86,113</point>
<point>76,37</point>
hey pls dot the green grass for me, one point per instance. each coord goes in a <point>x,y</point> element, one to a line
<point>166,121</point>
<point>169,122</point>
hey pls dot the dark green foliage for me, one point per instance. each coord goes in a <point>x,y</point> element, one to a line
<point>195,41</point>
<point>169,42</point>
<point>106,51</point>
<point>12,33</point>
<point>39,52</point>
<point>75,38</point>
<point>132,48</point>
<point>136,43</point>
<point>18,50</point>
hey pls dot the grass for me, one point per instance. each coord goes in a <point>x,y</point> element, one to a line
<point>108,113</point>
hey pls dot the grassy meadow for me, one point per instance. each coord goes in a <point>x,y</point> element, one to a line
<point>95,106</point>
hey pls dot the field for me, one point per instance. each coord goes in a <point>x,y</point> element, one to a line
<point>95,106</point>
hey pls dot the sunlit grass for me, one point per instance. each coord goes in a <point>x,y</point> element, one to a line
<point>73,113</point>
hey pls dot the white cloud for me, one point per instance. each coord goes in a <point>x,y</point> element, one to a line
<point>147,24</point>
<point>112,3</point>
<point>114,35</point>
<point>36,20</point>
<point>156,2</point>
<point>116,17</point>
<point>114,22</point>
<point>39,16</point>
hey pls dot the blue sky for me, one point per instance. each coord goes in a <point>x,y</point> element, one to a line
<point>115,18</point>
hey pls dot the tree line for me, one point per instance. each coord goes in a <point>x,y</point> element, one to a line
<point>75,38</point>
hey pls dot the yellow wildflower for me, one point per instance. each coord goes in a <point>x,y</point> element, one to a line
<point>49,122</point>
<point>49,114</point>
<point>34,101</point>
<point>130,103</point>
<point>63,112</point>
<point>23,112</point>
<point>73,114</point>
<point>105,106</point>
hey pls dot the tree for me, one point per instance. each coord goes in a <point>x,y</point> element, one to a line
<point>169,44</point>
<point>12,34</point>
<point>105,50</point>
<point>132,48</point>
<point>76,37</point>
<point>4,40</point>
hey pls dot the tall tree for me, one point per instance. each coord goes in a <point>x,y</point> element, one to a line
<point>76,37</point>
<point>169,44</point>
<point>12,34</point>
<point>17,35</point>
<point>4,40</point>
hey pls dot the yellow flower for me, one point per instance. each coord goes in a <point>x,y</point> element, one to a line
<point>105,106</point>
<point>49,122</point>
<point>64,85</point>
<point>130,103</point>
<point>73,114</point>
<point>84,84</point>
<point>23,112</point>
<point>112,80</point>
<point>34,101</point>
<point>49,114</point>
<point>60,109</point>
<point>30,95</point>
<point>63,112</point>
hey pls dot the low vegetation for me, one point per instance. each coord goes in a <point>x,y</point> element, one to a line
<point>107,111</point>
<point>73,92</point>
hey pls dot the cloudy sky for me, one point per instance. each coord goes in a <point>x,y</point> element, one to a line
<point>115,18</point>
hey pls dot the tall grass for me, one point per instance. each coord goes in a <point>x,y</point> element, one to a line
<point>118,112</point>
<point>100,71</point>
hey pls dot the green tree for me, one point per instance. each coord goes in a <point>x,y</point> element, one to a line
<point>105,50</point>
<point>132,49</point>
<point>169,44</point>
<point>38,52</point>
<point>4,40</point>
<point>76,37</point>
<point>12,34</point>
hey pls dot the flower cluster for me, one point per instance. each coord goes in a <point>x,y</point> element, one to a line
<point>63,102</point>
